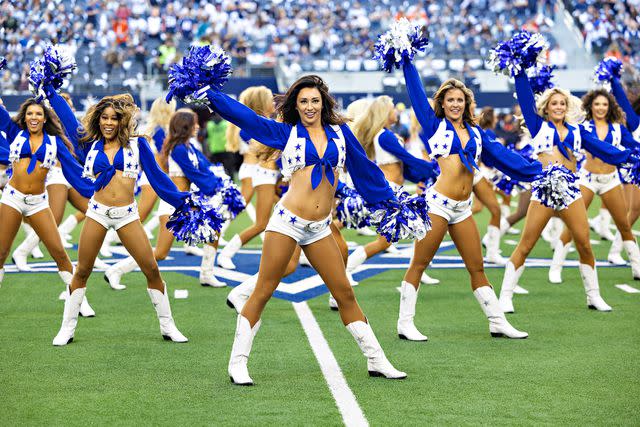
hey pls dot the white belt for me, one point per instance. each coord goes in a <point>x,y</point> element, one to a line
<point>112,212</point>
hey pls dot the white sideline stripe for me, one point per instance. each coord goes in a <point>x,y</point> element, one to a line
<point>628,289</point>
<point>351,412</point>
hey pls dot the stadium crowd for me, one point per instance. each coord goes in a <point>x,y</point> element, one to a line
<point>133,38</point>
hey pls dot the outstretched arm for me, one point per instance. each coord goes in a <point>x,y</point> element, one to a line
<point>366,176</point>
<point>527,102</point>
<point>8,126</point>
<point>415,169</point>
<point>633,119</point>
<point>72,171</point>
<point>161,183</point>
<point>267,131</point>
<point>419,101</point>
<point>206,181</point>
<point>606,152</point>
<point>628,141</point>
<point>512,164</point>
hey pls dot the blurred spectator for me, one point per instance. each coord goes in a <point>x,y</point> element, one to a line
<point>558,57</point>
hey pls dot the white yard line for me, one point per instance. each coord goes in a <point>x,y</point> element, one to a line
<point>351,412</point>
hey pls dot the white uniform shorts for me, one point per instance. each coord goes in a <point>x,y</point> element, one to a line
<point>56,177</point>
<point>246,171</point>
<point>454,211</point>
<point>114,217</point>
<point>26,204</point>
<point>165,209</point>
<point>303,231</point>
<point>263,176</point>
<point>599,183</point>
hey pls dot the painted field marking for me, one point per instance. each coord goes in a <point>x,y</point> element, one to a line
<point>628,289</point>
<point>348,406</point>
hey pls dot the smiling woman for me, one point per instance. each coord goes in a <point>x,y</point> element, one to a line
<point>36,137</point>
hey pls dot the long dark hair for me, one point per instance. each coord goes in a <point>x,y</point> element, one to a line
<point>286,104</point>
<point>52,125</point>
<point>487,118</point>
<point>181,128</point>
<point>614,113</point>
<point>125,109</point>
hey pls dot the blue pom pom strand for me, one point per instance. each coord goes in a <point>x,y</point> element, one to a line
<point>556,187</point>
<point>630,171</point>
<point>203,66</point>
<point>3,62</point>
<point>404,218</point>
<point>606,70</point>
<point>351,209</point>
<point>399,44</point>
<point>52,69</point>
<point>522,51</point>
<point>540,78</point>
<point>506,184</point>
<point>197,221</point>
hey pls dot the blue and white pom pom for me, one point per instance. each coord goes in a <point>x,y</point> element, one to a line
<point>203,66</point>
<point>630,171</point>
<point>399,44</point>
<point>351,209</point>
<point>197,221</point>
<point>606,70</point>
<point>232,200</point>
<point>521,52</point>
<point>506,184</point>
<point>404,218</point>
<point>555,187</point>
<point>3,62</point>
<point>540,78</point>
<point>52,69</point>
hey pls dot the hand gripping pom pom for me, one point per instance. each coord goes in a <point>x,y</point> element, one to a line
<point>404,218</point>
<point>52,69</point>
<point>202,67</point>
<point>524,50</point>
<point>351,209</point>
<point>555,187</point>
<point>399,44</point>
<point>606,70</point>
<point>506,184</point>
<point>3,62</point>
<point>540,78</point>
<point>197,221</point>
<point>232,200</point>
<point>630,171</point>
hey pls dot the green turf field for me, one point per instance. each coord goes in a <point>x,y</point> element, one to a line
<point>577,367</point>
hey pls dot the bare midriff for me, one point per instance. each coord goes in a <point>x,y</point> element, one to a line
<point>393,172</point>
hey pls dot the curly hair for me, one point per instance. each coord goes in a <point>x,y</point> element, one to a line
<point>125,108</point>
<point>469,100</point>
<point>52,125</point>
<point>614,113</point>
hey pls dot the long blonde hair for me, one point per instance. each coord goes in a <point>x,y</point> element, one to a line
<point>371,121</point>
<point>259,99</point>
<point>574,115</point>
<point>469,100</point>
<point>159,115</point>
<point>356,108</point>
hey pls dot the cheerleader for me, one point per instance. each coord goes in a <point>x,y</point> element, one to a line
<point>37,143</point>
<point>314,142</point>
<point>631,191</point>
<point>603,118</point>
<point>555,140</point>
<point>265,175</point>
<point>114,158</point>
<point>58,192</point>
<point>187,167</point>
<point>457,143</point>
<point>385,148</point>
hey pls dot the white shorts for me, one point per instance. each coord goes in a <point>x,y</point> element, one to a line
<point>454,211</point>
<point>26,204</point>
<point>165,209</point>
<point>263,176</point>
<point>143,180</point>
<point>56,177</point>
<point>114,217</point>
<point>477,176</point>
<point>599,183</point>
<point>303,231</point>
<point>246,171</point>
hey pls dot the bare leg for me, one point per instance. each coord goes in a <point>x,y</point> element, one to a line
<point>79,202</point>
<point>484,192</point>
<point>342,244</point>
<point>264,204</point>
<point>91,238</point>
<point>246,189</point>
<point>10,220</point>
<point>57,200</point>
<point>148,199</point>
<point>377,246</point>
<point>425,250</point>
<point>575,218</point>
<point>164,241</point>
<point>614,201</point>
<point>324,256</point>
<point>467,240</point>
<point>537,217</point>
<point>587,196</point>
<point>44,224</point>
<point>524,198</point>
<point>276,254</point>
<point>135,240</point>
